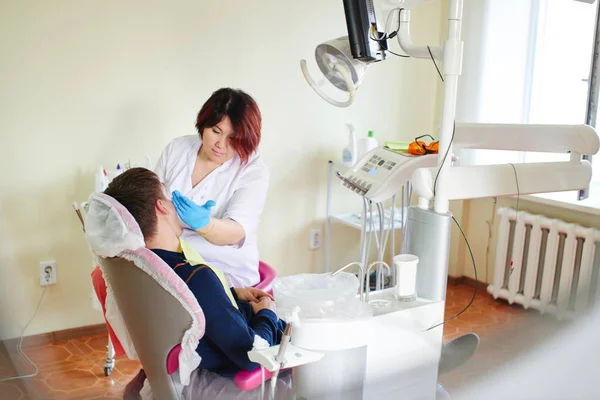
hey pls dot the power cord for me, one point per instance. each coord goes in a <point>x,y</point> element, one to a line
<point>20,344</point>
<point>398,55</point>
<point>517,210</point>
<point>386,36</point>
<point>453,218</point>
<point>474,269</point>
<point>445,157</point>
<point>453,128</point>
<point>490,225</point>
<point>434,63</point>
<point>467,241</point>
<point>518,190</point>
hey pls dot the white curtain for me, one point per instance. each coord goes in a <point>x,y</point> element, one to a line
<point>525,61</point>
<point>494,82</point>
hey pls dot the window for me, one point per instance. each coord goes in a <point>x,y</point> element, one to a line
<point>563,48</point>
<point>563,51</point>
<point>531,60</point>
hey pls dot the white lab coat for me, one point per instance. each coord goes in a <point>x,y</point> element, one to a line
<point>239,191</point>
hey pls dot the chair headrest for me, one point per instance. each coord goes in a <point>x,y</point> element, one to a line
<point>110,228</point>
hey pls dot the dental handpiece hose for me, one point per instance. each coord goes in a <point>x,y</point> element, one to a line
<point>279,358</point>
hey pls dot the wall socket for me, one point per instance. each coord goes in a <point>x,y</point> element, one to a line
<point>47,273</point>
<point>315,239</point>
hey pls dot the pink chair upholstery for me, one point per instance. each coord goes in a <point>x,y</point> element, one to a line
<point>243,380</point>
<point>267,276</point>
<point>250,380</point>
<point>173,360</point>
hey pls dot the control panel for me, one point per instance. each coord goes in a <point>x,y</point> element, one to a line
<point>382,172</point>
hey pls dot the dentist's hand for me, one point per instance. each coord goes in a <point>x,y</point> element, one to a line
<point>195,216</point>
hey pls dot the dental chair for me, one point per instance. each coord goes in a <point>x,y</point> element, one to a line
<point>267,275</point>
<point>153,313</point>
<point>133,290</point>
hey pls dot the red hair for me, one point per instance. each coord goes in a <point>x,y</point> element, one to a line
<point>244,114</point>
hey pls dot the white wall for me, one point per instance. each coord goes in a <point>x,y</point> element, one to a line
<point>94,82</point>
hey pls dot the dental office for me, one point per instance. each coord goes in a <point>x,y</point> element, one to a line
<point>460,265</point>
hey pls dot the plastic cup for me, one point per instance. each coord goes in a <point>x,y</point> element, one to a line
<point>406,277</point>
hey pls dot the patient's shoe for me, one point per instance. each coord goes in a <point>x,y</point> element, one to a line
<point>457,352</point>
<point>133,388</point>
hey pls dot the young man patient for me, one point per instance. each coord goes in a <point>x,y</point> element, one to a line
<point>233,315</point>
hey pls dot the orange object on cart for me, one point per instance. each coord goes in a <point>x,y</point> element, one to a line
<point>419,148</point>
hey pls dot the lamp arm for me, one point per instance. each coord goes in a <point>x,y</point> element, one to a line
<point>406,44</point>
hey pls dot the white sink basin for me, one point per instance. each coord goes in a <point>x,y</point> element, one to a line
<point>384,302</point>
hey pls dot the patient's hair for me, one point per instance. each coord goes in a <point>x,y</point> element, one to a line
<point>137,189</point>
<point>244,114</point>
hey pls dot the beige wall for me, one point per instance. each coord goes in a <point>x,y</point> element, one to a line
<point>481,227</point>
<point>93,82</point>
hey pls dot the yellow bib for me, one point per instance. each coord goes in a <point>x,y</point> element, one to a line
<point>193,258</point>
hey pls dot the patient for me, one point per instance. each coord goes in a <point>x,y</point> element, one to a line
<point>230,330</point>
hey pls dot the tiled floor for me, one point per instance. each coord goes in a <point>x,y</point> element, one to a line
<point>69,370</point>
<point>74,369</point>
<point>504,331</point>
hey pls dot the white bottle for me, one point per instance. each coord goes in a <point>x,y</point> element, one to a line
<point>367,144</point>
<point>349,155</point>
<point>100,183</point>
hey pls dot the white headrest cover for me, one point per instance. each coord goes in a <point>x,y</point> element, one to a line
<point>110,228</point>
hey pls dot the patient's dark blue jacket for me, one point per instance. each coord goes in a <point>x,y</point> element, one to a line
<point>229,333</point>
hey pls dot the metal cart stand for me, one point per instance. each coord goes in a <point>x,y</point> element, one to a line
<point>355,219</point>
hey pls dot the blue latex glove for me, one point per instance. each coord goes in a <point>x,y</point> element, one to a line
<point>193,215</point>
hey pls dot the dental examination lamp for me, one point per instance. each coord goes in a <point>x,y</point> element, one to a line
<point>344,61</point>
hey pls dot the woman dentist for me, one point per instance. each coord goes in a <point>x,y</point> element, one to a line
<point>219,184</point>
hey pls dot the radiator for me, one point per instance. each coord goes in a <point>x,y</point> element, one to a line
<point>546,264</point>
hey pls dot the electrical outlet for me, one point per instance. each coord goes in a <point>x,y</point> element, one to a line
<point>47,273</point>
<point>315,239</point>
